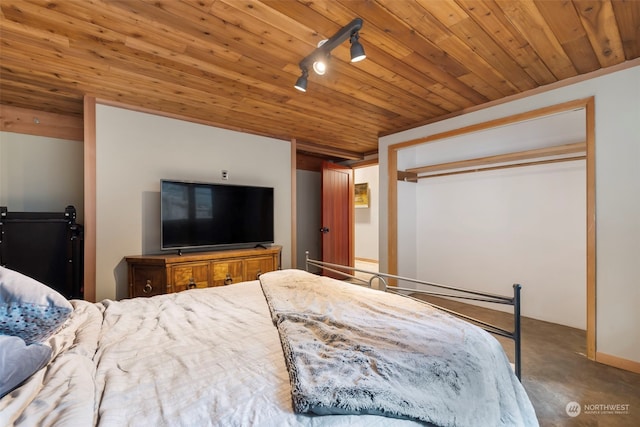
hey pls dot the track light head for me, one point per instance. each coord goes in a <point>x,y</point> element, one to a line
<point>320,67</point>
<point>320,64</point>
<point>301,83</point>
<point>319,57</point>
<point>357,51</point>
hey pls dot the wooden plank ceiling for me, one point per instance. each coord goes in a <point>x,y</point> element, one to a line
<point>233,63</point>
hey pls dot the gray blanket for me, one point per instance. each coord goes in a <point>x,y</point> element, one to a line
<point>353,350</point>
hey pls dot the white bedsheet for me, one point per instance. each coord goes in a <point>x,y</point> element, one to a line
<point>61,393</point>
<point>195,358</point>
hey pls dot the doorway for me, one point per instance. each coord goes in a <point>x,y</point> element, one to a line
<point>366,217</point>
<point>366,222</point>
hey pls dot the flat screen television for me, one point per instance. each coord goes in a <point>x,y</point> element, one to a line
<point>196,215</point>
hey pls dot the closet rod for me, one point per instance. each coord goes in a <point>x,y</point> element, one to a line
<point>514,165</point>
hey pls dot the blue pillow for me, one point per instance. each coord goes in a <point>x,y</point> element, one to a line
<point>19,361</point>
<point>29,309</point>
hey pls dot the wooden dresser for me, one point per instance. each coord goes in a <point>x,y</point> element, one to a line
<point>159,274</point>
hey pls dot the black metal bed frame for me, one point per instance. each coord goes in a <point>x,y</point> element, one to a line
<point>467,294</point>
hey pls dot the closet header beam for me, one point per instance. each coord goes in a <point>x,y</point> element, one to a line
<point>537,153</point>
<point>407,176</point>
<point>512,165</point>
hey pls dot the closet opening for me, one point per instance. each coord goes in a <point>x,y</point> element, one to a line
<point>503,202</point>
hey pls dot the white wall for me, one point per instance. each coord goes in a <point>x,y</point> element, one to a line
<point>489,230</point>
<point>135,150</point>
<point>366,219</point>
<point>41,174</point>
<point>617,116</point>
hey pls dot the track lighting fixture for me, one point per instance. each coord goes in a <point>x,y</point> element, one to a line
<point>320,64</point>
<point>301,83</point>
<point>357,51</point>
<point>319,57</point>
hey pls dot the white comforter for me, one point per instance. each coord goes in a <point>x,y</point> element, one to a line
<point>195,358</point>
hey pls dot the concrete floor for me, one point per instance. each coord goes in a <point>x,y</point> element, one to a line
<point>556,372</point>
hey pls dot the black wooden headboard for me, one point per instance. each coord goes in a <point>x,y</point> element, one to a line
<point>47,246</point>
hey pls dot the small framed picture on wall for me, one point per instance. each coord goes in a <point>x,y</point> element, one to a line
<point>362,195</point>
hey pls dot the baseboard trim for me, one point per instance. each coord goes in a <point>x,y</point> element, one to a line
<point>618,362</point>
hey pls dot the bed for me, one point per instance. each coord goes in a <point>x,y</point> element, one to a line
<point>290,349</point>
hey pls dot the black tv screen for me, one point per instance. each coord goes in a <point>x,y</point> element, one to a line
<point>203,215</point>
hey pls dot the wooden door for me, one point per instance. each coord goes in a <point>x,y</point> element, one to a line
<point>337,215</point>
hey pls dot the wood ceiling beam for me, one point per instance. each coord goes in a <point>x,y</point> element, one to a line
<point>328,151</point>
<point>40,123</point>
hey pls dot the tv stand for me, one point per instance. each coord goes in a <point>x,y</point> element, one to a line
<point>161,274</point>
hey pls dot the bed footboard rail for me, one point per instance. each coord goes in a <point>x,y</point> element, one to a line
<point>449,292</point>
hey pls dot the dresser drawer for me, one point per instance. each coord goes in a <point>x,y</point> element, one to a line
<point>190,276</point>
<point>227,272</point>
<point>146,281</point>
<point>254,267</point>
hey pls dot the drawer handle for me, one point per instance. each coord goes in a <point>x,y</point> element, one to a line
<point>258,274</point>
<point>191,284</point>
<point>147,287</point>
<point>228,280</point>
